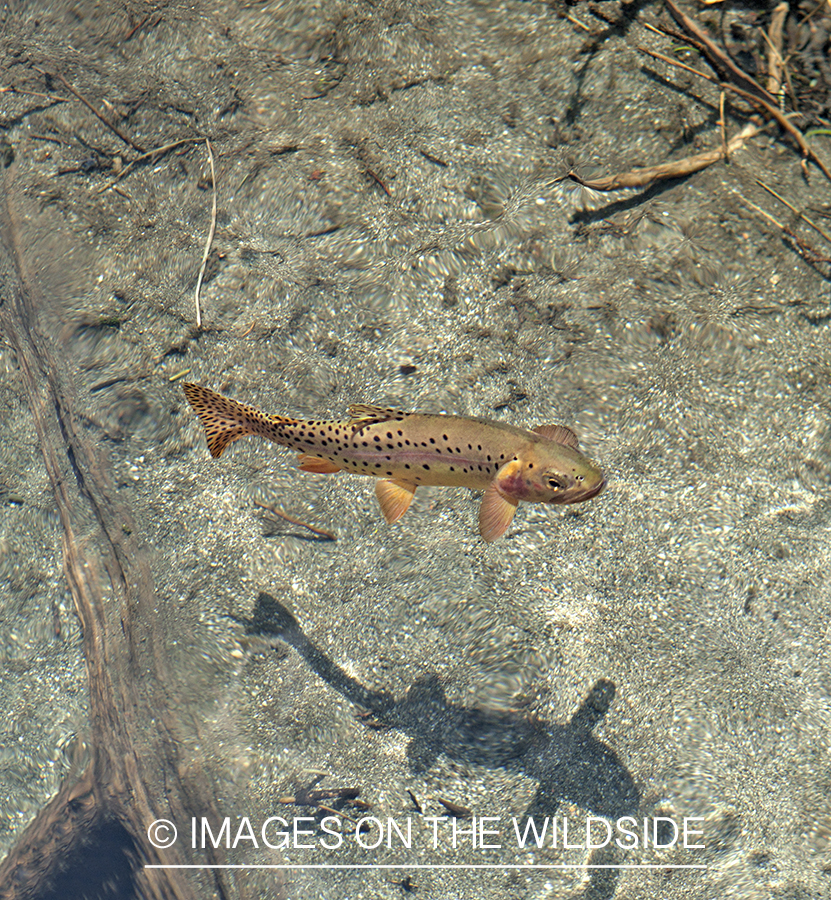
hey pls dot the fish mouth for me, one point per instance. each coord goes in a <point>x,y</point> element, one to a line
<point>593,492</point>
<point>584,494</point>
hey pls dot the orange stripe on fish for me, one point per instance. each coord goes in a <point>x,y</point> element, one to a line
<point>404,450</point>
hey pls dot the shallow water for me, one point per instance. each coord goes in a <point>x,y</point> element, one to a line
<point>391,231</point>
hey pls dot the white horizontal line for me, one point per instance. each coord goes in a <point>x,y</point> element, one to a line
<point>438,866</point>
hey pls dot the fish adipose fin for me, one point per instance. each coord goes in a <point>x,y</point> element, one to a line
<point>496,513</point>
<point>394,497</point>
<point>316,464</point>
<point>559,434</point>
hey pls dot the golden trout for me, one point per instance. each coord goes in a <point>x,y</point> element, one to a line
<point>405,450</point>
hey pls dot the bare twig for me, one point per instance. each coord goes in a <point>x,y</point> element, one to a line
<point>276,511</point>
<point>377,179</point>
<point>717,58</point>
<point>97,113</point>
<point>775,113</point>
<point>210,240</point>
<point>55,98</point>
<point>648,174</point>
<point>774,39</point>
<point>148,155</point>
<point>809,252</point>
<point>722,121</point>
<point>793,209</point>
<point>770,108</point>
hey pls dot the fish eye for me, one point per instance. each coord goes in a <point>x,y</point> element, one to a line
<point>555,484</point>
<point>579,478</point>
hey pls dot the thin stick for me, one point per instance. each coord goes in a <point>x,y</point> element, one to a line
<point>715,55</point>
<point>114,128</point>
<point>11,89</point>
<point>773,111</point>
<point>804,247</point>
<point>210,240</point>
<point>279,512</point>
<point>148,155</point>
<point>793,209</point>
<point>761,212</point>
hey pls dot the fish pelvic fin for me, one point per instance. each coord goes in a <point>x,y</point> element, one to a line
<point>226,420</point>
<point>394,497</point>
<point>496,513</point>
<point>317,464</point>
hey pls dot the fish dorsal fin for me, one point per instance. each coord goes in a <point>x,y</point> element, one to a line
<point>394,497</point>
<point>363,411</point>
<point>559,434</point>
<point>316,464</point>
<point>496,512</point>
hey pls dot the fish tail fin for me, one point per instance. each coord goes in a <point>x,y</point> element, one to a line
<point>226,420</point>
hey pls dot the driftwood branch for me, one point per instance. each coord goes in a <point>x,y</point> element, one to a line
<point>145,762</point>
<point>637,178</point>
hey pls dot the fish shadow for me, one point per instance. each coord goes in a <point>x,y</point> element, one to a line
<point>568,763</point>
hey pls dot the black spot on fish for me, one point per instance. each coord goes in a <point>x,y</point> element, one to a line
<point>452,469</point>
<point>407,443</point>
<point>401,434</point>
<point>489,457</point>
<point>470,446</point>
<point>364,443</point>
<point>377,465</point>
<point>432,440</point>
<point>530,465</point>
<point>425,466</point>
<point>389,435</point>
<point>399,443</point>
<point>377,438</point>
<point>406,465</point>
<point>445,437</point>
<point>389,473</point>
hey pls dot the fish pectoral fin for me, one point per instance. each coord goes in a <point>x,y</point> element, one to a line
<point>316,464</point>
<point>496,513</point>
<point>559,434</point>
<point>394,497</point>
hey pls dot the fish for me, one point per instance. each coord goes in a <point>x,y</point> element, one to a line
<point>405,450</point>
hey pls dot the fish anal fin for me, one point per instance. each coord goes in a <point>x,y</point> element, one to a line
<point>316,464</point>
<point>559,434</point>
<point>496,513</point>
<point>394,497</point>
